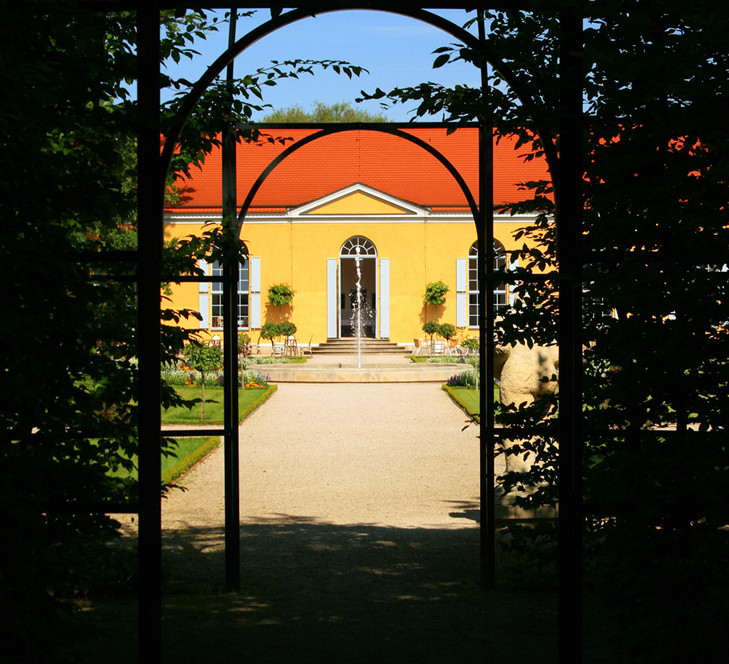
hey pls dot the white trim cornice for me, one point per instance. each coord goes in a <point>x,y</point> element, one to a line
<point>198,219</point>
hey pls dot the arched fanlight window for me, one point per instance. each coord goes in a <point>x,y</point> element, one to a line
<point>501,299</point>
<point>365,246</point>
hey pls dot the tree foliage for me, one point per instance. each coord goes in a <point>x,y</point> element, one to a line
<point>287,328</point>
<point>435,293</point>
<point>204,359</point>
<point>324,113</point>
<point>69,382</point>
<point>656,340</point>
<point>447,331</point>
<point>270,330</point>
<point>431,327</point>
<point>280,294</point>
<point>237,101</point>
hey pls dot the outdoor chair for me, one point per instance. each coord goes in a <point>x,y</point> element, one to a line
<point>291,347</point>
<point>305,349</point>
<point>439,348</point>
<point>458,351</point>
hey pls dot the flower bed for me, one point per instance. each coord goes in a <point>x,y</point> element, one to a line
<point>183,375</point>
<point>464,379</point>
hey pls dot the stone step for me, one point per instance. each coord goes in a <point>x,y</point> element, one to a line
<point>364,351</point>
<point>369,346</point>
<point>353,344</point>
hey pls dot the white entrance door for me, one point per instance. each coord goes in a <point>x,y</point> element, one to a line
<point>358,288</point>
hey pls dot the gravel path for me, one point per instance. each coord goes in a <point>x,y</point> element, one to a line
<point>379,454</point>
<point>359,536</point>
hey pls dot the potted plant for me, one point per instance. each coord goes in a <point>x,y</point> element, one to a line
<point>270,331</point>
<point>435,293</point>
<point>472,343</point>
<point>431,328</point>
<point>447,331</point>
<point>287,329</point>
<point>280,294</point>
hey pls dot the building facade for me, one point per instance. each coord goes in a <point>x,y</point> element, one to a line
<point>357,216</point>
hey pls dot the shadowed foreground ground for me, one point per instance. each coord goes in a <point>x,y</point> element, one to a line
<point>315,592</point>
<point>359,544</point>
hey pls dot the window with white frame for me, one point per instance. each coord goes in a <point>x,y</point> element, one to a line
<point>216,304</point>
<point>501,293</point>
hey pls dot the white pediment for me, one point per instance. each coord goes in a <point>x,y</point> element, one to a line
<point>358,200</point>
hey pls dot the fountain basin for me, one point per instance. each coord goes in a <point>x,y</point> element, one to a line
<point>349,372</point>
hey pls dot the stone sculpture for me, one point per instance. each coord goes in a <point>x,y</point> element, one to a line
<point>525,376</point>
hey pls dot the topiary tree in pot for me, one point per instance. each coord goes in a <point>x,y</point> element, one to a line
<point>270,331</point>
<point>472,343</point>
<point>435,293</point>
<point>287,329</point>
<point>431,328</point>
<point>447,331</point>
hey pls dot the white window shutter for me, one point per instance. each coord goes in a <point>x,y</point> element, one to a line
<point>385,298</point>
<point>255,274</point>
<point>254,302</point>
<point>461,310</point>
<point>513,264</point>
<point>461,292</point>
<point>255,311</point>
<point>203,298</point>
<point>461,275</point>
<point>203,265</point>
<point>332,298</point>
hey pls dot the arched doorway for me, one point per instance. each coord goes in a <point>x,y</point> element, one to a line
<point>357,288</point>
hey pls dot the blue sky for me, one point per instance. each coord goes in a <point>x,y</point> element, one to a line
<point>396,50</point>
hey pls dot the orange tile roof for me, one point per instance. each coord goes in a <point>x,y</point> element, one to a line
<point>382,161</point>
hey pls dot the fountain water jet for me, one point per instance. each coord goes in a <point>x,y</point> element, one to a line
<point>358,307</point>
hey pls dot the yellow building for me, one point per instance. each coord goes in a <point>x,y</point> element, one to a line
<point>353,199</point>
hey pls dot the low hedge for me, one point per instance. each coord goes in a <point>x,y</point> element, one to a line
<point>207,445</point>
<point>183,464</point>
<point>194,449</point>
<point>467,398</point>
<point>265,396</point>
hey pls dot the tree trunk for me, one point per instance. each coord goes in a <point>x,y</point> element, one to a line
<point>202,400</point>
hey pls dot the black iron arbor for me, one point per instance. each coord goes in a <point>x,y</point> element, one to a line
<point>565,166</point>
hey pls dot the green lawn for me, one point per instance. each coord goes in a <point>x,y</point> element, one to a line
<point>185,454</point>
<point>188,451</point>
<point>248,400</point>
<point>468,398</point>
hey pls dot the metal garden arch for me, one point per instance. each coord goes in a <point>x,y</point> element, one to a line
<point>567,171</point>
